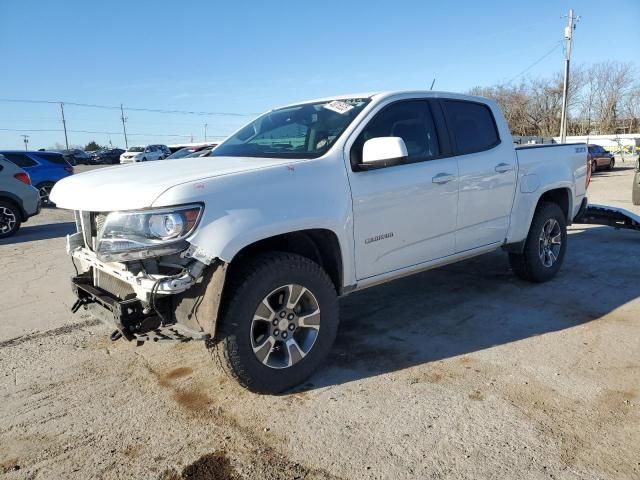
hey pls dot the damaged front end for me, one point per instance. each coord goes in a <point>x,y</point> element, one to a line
<point>146,288</point>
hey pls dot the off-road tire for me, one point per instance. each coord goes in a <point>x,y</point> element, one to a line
<point>246,287</point>
<point>14,211</point>
<point>528,265</point>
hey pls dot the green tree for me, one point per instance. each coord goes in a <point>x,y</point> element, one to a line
<point>92,146</point>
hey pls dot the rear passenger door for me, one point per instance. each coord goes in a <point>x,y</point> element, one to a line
<point>487,174</point>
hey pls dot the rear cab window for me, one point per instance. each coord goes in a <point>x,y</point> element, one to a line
<point>56,158</point>
<point>472,126</point>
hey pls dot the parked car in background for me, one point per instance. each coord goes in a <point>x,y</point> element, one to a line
<point>205,152</point>
<point>166,150</point>
<point>179,146</point>
<point>600,158</point>
<point>107,157</point>
<point>190,151</point>
<point>76,156</point>
<point>19,200</point>
<point>44,168</point>
<point>635,192</point>
<point>142,154</point>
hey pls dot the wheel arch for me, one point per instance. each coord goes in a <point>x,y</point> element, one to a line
<point>14,200</point>
<point>320,245</point>
<point>560,196</point>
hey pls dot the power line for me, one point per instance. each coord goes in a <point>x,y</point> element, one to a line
<point>102,132</point>
<point>133,109</point>
<point>555,47</point>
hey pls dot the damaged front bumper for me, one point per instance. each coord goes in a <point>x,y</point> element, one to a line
<point>149,307</point>
<point>129,317</point>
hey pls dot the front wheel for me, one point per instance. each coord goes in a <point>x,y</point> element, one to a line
<point>278,323</point>
<point>594,166</point>
<point>612,164</point>
<point>545,246</point>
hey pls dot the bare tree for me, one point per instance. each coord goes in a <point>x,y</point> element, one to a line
<point>603,98</point>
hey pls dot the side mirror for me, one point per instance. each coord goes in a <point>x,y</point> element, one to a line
<point>383,152</point>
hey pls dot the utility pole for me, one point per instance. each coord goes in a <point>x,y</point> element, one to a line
<point>568,35</point>
<point>25,139</point>
<point>205,132</point>
<point>124,127</point>
<point>64,125</point>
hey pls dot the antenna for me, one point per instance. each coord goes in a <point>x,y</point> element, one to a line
<point>432,83</point>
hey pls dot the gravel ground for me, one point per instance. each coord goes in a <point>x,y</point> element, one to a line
<point>460,372</point>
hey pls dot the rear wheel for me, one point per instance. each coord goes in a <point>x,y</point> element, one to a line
<point>278,324</point>
<point>545,246</point>
<point>44,189</point>
<point>9,219</point>
<point>594,165</point>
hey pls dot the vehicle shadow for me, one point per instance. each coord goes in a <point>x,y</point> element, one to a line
<point>479,304</point>
<point>40,232</point>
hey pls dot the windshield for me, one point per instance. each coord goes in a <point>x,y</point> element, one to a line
<point>301,131</point>
<point>136,149</point>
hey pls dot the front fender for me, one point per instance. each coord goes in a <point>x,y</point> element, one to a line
<point>251,206</point>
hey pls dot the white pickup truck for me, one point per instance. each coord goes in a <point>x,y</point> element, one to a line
<point>250,249</point>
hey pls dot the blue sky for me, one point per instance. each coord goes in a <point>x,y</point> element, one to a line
<point>246,57</point>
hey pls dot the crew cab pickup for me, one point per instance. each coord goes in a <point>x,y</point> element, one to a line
<point>250,248</point>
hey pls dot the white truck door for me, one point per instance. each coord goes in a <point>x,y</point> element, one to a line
<point>487,175</point>
<point>403,214</point>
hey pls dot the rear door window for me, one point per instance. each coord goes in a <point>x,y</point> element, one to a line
<point>20,159</point>
<point>472,125</point>
<point>56,158</point>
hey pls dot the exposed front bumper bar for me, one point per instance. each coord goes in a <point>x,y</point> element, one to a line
<point>127,316</point>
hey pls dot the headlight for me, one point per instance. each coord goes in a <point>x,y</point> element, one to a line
<point>146,233</point>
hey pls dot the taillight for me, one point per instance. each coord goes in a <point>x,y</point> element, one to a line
<point>69,169</point>
<point>23,177</point>
<point>589,162</point>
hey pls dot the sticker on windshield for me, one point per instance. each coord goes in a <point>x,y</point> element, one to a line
<point>338,106</point>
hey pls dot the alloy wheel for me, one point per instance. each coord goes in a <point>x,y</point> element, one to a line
<point>550,242</point>
<point>7,220</point>
<point>285,326</point>
<point>44,191</point>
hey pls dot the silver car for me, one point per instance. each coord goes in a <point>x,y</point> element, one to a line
<point>19,200</point>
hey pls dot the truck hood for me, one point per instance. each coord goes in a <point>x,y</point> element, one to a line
<point>138,185</point>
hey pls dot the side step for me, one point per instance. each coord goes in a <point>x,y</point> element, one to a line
<point>611,216</point>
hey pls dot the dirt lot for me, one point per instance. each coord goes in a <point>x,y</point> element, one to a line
<point>461,372</point>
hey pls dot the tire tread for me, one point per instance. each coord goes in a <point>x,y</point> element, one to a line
<point>223,348</point>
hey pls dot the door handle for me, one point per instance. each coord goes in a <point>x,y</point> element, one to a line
<point>503,167</point>
<point>442,178</point>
